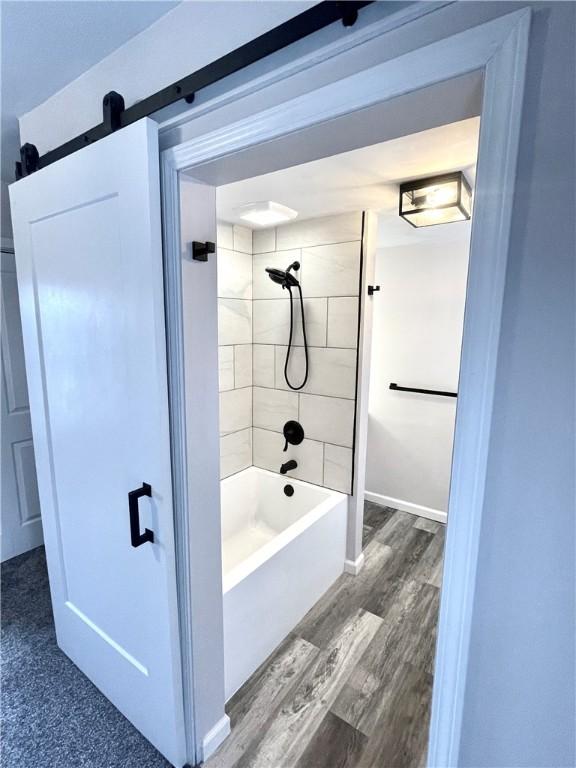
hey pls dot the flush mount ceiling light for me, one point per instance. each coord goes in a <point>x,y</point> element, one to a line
<point>436,200</point>
<point>266,213</point>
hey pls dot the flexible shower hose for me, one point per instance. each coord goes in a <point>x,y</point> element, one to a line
<point>288,351</point>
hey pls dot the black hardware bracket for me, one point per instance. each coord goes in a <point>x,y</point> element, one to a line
<point>372,289</point>
<point>137,538</point>
<point>116,116</point>
<point>29,160</point>
<point>200,251</point>
<point>423,391</point>
<point>112,108</point>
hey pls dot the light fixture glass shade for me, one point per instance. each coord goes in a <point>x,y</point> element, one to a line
<point>436,200</point>
<point>266,213</point>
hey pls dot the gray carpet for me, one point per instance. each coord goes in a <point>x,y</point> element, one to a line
<point>52,716</point>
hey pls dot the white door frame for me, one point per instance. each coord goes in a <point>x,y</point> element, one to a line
<point>497,48</point>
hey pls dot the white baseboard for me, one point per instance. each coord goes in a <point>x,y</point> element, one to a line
<point>215,737</point>
<point>354,566</point>
<point>407,506</point>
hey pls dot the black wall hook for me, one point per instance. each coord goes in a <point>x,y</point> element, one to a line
<point>200,251</point>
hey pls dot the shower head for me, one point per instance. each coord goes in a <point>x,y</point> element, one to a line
<point>284,278</point>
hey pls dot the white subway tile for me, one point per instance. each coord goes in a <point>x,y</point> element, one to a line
<point>271,318</point>
<point>234,274</point>
<point>267,449</point>
<point>272,321</point>
<point>263,365</point>
<point>243,365</point>
<point>296,367</point>
<point>338,468</point>
<point>224,235</point>
<point>342,322</point>
<point>263,287</point>
<point>273,408</point>
<point>331,270</point>
<point>235,452</point>
<point>226,368</point>
<point>315,315</point>
<point>320,231</point>
<point>242,239</point>
<point>264,240</point>
<point>235,410</point>
<point>331,371</point>
<point>329,419</point>
<point>234,321</point>
<point>268,453</point>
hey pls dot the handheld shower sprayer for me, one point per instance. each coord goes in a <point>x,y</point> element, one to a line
<point>283,277</point>
<point>286,279</point>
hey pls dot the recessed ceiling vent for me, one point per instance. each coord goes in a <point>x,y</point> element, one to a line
<point>266,213</point>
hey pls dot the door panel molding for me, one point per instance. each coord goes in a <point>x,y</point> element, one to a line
<point>107,639</point>
<point>24,504</point>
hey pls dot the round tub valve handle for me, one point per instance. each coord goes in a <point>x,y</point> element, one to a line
<point>293,433</point>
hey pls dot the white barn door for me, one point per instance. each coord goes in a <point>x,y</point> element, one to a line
<point>89,263</point>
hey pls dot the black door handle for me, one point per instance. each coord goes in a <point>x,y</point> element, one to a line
<point>136,537</point>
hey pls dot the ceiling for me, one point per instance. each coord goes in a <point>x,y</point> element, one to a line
<point>365,178</point>
<point>46,45</point>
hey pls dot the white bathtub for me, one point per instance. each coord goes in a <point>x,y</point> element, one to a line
<point>280,554</point>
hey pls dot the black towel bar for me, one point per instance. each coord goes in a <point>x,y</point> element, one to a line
<point>423,391</point>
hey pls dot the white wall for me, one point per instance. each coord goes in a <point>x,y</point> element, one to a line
<point>182,41</point>
<point>200,344</point>
<point>520,693</point>
<point>416,340</point>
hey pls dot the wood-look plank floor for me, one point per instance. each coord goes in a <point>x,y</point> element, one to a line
<point>351,686</point>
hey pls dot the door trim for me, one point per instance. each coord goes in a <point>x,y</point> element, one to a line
<point>498,49</point>
<point>170,193</point>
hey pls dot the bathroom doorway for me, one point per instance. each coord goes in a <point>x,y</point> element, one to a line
<point>292,290</point>
<point>200,160</point>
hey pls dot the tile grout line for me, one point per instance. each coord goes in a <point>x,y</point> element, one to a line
<point>299,252</point>
<point>286,298</point>
<point>311,439</point>
<point>309,394</point>
<point>305,247</point>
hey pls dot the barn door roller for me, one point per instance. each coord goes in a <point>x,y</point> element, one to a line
<point>116,116</point>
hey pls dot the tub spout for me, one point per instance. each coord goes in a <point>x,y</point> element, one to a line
<point>288,466</point>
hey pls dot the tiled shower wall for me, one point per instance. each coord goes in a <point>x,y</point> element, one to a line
<point>253,327</point>
<point>234,260</point>
<point>329,251</point>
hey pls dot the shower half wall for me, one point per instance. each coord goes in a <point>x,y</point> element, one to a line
<point>254,316</point>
